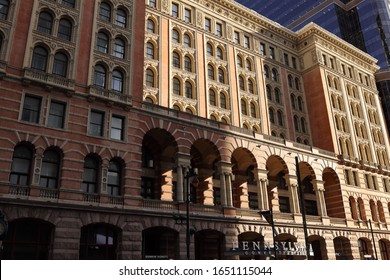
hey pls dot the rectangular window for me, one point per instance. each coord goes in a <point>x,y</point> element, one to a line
<point>294,62</point>
<point>152,3</point>
<point>236,37</point>
<point>56,117</point>
<point>207,24</point>
<point>347,179</point>
<point>360,78</point>
<point>350,72</point>
<point>31,109</point>
<point>311,207</point>
<point>355,178</point>
<point>286,60</point>
<point>246,42</point>
<point>386,186</point>
<point>262,49</point>
<point>96,123</point>
<point>331,63</point>
<point>271,53</point>
<point>218,29</point>
<point>284,204</point>
<point>343,68</point>
<point>217,196</point>
<point>324,60</point>
<point>117,128</point>
<point>368,181</point>
<point>253,201</point>
<point>373,183</point>
<point>187,15</point>
<point>175,10</point>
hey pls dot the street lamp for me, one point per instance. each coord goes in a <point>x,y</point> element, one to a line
<point>268,215</point>
<point>191,173</point>
<point>302,204</point>
<point>373,239</point>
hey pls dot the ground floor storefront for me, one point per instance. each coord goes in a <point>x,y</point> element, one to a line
<point>43,232</point>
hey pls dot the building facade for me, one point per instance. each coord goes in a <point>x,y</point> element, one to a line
<point>365,24</point>
<point>107,106</point>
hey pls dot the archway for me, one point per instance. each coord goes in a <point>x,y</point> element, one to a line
<point>160,243</point>
<point>209,245</point>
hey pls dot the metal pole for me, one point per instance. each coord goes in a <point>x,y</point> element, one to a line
<point>188,241</point>
<point>273,232</point>
<point>373,239</point>
<point>303,210</point>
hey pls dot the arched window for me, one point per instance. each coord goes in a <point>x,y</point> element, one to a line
<point>212,97</point>
<point>271,115</point>
<point>150,26</point>
<point>300,103</point>
<point>152,3</point>
<point>303,125</point>
<point>50,169</point>
<point>293,100</point>
<point>65,29</point>
<point>39,58</point>
<point>60,65</point>
<point>213,118</point>
<point>221,76</point>
<point>296,123</point>
<point>219,53</point>
<point>362,212</point>
<point>269,92</point>
<point>250,86</point>
<point>277,96</point>
<point>188,64</point>
<point>297,84</point>
<point>114,180</point>
<point>150,78</point>
<point>266,71</point>
<point>274,75</point>
<point>90,175</point>
<point>280,118</point>
<point>352,205</point>
<point>175,36</point>
<point>1,41</point>
<point>188,90</point>
<point>102,42</point>
<point>239,61</point>
<point>21,166</point>
<point>222,100</point>
<point>374,213</point>
<point>105,12</point>
<point>209,49</point>
<point>98,242</point>
<point>100,76</point>
<point>4,7</point>
<point>253,110</point>
<point>243,107</point>
<point>248,65</point>
<point>121,18</point>
<point>149,50</point>
<point>117,81</point>
<point>187,40</point>
<point>210,72</point>
<point>176,60</point>
<point>45,22</point>
<point>176,86</point>
<point>241,83</point>
<point>290,81</point>
<point>119,48</point>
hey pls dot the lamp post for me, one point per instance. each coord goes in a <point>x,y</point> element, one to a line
<point>302,204</point>
<point>373,239</point>
<point>268,215</point>
<point>191,173</point>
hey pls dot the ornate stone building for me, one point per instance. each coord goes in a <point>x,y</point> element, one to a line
<point>107,106</point>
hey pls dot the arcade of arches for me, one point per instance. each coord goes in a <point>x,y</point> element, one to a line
<point>234,185</point>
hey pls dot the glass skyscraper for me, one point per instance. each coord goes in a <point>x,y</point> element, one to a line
<point>364,23</point>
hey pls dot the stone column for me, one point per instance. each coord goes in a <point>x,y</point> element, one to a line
<point>183,162</point>
<point>229,194</point>
<point>293,183</point>
<point>262,191</point>
<point>321,205</point>
<point>179,184</point>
